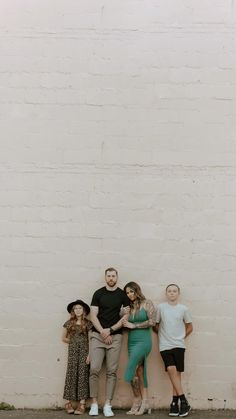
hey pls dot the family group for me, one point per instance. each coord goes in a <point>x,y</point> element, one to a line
<point>91,341</point>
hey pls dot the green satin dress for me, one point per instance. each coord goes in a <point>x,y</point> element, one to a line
<point>139,346</point>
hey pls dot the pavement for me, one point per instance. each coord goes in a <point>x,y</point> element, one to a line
<point>119,414</point>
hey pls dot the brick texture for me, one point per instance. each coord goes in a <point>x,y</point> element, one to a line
<point>117,148</point>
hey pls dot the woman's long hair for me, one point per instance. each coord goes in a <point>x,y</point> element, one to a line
<point>135,305</point>
<point>73,320</point>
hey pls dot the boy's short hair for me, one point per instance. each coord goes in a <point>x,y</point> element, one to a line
<point>173,285</point>
<point>111,269</point>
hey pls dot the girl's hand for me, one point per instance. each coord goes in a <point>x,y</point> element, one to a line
<point>87,360</point>
<point>129,325</point>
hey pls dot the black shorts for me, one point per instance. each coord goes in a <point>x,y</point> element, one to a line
<point>174,356</point>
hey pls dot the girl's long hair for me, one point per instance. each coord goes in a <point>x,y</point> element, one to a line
<point>138,293</point>
<point>73,320</point>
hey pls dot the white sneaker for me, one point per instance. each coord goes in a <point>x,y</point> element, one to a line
<point>93,409</point>
<point>107,411</point>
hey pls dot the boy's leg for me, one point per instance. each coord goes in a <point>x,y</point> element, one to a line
<point>170,361</point>
<point>174,363</point>
<point>184,405</point>
<point>185,408</point>
<point>175,378</point>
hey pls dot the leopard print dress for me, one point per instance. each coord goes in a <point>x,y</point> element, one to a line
<point>77,374</point>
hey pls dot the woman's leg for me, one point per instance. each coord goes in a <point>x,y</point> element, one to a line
<point>144,392</point>
<point>135,385</point>
<point>140,371</point>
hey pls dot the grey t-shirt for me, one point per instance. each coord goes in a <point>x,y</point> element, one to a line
<point>172,319</point>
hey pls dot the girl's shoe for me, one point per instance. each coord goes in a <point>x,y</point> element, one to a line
<point>80,409</point>
<point>134,409</point>
<point>69,408</point>
<point>144,408</point>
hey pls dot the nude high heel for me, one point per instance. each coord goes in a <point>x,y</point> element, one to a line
<point>135,408</point>
<point>144,408</point>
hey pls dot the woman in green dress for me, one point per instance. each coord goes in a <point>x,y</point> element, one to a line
<point>139,323</point>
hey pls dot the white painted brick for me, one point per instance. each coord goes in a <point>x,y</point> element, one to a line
<point>117,148</point>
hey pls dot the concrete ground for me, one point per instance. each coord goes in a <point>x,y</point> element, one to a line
<point>119,414</point>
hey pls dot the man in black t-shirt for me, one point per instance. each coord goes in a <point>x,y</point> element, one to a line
<point>106,338</point>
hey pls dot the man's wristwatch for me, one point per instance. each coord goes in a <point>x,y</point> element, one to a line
<point>111,331</point>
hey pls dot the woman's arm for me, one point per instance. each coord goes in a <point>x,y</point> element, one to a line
<point>150,310</point>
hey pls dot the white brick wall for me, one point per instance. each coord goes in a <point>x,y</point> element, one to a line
<point>117,148</point>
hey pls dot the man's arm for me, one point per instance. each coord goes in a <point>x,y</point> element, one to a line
<point>94,318</point>
<point>105,333</point>
<point>188,329</point>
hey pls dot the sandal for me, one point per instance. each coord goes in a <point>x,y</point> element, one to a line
<point>80,409</point>
<point>69,408</point>
<point>135,408</point>
<point>144,408</point>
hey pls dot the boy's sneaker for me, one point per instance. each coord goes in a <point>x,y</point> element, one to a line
<point>174,409</point>
<point>184,408</point>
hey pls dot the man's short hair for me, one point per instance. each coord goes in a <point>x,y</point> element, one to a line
<point>111,269</point>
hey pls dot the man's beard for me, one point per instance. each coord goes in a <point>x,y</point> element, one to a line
<point>111,283</point>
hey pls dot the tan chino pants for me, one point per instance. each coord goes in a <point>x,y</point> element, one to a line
<point>98,351</point>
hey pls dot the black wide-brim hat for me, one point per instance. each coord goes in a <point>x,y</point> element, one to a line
<point>81,303</point>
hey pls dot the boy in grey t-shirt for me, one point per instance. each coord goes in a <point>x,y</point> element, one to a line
<point>174,324</point>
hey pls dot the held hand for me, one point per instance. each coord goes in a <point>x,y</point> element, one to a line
<point>108,340</point>
<point>129,325</point>
<point>105,333</point>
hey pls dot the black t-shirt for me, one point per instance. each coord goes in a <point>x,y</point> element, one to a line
<point>109,304</point>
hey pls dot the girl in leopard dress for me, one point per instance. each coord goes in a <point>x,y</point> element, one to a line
<point>75,334</point>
